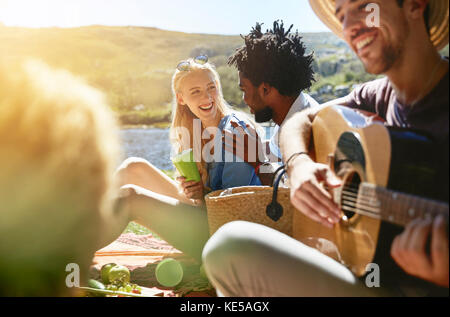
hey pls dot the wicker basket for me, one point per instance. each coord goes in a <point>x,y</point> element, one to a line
<point>248,203</point>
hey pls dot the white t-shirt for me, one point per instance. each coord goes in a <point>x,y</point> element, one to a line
<point>302,102</point>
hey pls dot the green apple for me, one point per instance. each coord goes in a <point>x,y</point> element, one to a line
<point>119,274</point>
<point>105,272</point>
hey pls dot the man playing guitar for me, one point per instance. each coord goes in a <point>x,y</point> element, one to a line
<point>414,94</point>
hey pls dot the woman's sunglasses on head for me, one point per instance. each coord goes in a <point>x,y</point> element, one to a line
<point>185,66</point>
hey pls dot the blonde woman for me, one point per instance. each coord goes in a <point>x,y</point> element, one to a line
<point>175,209</point>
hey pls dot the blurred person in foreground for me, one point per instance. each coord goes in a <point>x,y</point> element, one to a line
<point>58,152</point>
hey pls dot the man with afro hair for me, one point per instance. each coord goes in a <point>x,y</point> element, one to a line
<point>274,70</point>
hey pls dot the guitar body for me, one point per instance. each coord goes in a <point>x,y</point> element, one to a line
<point>358,150</point>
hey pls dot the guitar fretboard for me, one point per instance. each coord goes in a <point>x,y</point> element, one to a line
<point>398,208</point>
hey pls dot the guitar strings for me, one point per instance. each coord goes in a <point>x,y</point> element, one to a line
<point>361,206</point>
<point>375,212</point>
<point>366,204</point>
<point>368,200</point>
<point>360,203</point>
<point>362,212</point>
<point>363,203</point>
<point>364,200</point>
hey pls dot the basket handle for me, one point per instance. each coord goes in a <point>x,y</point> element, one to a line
<point>274,210</point>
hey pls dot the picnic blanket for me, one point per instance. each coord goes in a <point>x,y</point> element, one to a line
<point>141,254</point>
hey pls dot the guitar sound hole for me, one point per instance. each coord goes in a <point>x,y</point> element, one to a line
<point>350,195</point>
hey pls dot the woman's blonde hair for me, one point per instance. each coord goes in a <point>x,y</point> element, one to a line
<point>59,148</point>
<point>182,116</point>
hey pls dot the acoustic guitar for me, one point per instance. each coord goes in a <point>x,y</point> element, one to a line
<point>390,177</point>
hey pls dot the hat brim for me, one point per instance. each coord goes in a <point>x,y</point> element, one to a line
<point>438,19</point>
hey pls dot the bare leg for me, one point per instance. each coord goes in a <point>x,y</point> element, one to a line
<point>183,226</point>
<point>138,171</point>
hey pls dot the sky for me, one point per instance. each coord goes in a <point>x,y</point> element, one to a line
<point>229,17</point>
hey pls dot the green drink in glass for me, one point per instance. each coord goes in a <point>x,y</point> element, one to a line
<point>184,162</point>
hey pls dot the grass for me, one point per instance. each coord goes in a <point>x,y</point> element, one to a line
<point>137,229</point>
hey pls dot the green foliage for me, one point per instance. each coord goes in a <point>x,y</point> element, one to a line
<point>229,79</point>
<point>136,228</point>
<point>349,77</point>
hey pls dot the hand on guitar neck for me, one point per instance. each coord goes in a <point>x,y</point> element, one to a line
<point>408,250</point>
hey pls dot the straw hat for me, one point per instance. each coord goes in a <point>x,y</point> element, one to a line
<point>438,19</point>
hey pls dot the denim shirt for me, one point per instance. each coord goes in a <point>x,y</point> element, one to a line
<point>232,172</point>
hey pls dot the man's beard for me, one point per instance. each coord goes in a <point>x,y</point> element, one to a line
<point>264,115</point>
<point>389,56</point>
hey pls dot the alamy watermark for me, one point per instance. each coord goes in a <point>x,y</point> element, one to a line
<point>73,278</point>
<point>373,18</point>
<point>373,275</point>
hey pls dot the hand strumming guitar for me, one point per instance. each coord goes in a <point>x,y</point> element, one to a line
<point>308,196</point>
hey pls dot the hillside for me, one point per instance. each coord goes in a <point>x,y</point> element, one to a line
<point>134,65</point>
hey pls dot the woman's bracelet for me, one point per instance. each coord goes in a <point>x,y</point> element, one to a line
<point>293,157</point>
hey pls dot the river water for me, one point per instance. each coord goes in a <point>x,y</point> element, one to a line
<point>152,144</point>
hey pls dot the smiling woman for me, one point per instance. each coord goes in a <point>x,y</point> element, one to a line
<point>176,210</point>
<point>199,94</point>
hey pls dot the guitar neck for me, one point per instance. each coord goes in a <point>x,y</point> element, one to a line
<point>397,208</point>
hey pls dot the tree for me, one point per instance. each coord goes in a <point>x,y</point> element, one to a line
<point>349,77</point>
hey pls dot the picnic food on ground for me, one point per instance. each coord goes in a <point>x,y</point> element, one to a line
<point>112,290</point>
<point>116,278</point>
<point>169,272</point>
<point>105,272</point>
<point>116,288</point>
<point>119,274</point>
<point>95,284</point>
<point>126,288</point>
